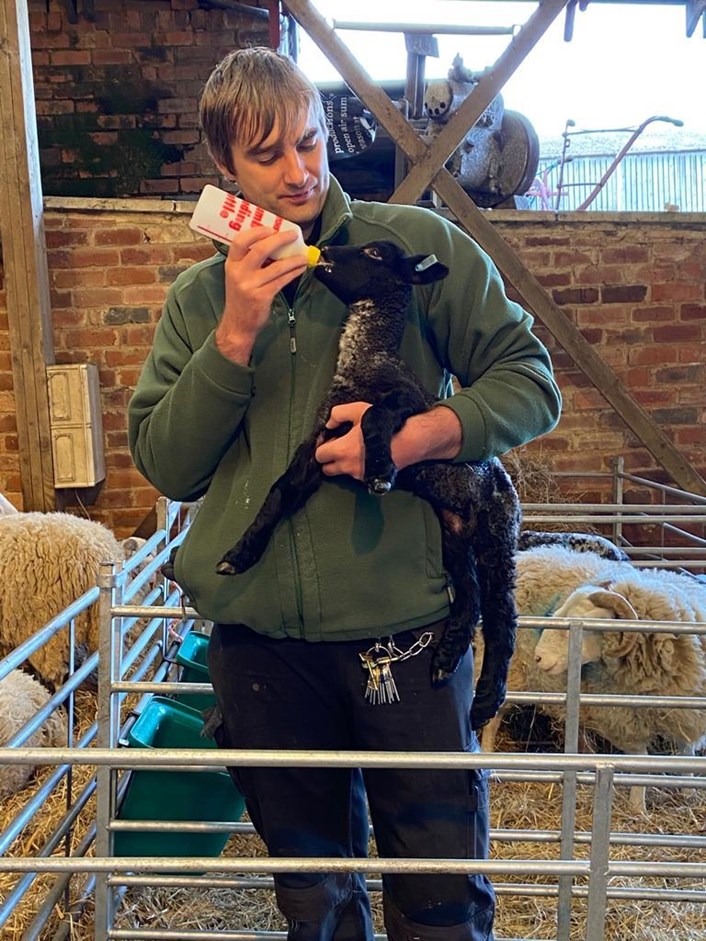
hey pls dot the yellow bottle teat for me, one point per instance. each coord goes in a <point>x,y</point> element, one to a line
<point>312,255</point>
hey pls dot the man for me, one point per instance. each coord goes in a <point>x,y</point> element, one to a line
<point>242,357</point>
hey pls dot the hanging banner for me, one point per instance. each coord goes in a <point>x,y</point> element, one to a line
<point>351,126</point>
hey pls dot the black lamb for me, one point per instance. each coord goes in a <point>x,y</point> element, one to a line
<point>476,504</point>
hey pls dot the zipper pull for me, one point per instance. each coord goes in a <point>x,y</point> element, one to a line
<point>292,321</point>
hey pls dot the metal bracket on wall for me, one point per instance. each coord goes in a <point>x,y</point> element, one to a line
<point>257,12</point>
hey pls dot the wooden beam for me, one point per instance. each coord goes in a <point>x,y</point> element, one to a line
<point>24,256</point>
<point>530,290</point>
<point>572,340</point>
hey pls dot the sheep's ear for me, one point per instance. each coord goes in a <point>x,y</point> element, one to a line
<point>424,269</point>
<point>615,602</point>
<point>620,643</point>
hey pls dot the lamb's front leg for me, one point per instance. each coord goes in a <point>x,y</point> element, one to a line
<point>379,424</point>
<point>288,494</point>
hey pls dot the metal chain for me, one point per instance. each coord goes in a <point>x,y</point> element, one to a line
<point>381,687</point>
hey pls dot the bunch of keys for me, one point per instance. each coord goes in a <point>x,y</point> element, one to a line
<point>381,687</point>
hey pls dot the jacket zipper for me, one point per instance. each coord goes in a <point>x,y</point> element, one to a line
<point>292,322</point>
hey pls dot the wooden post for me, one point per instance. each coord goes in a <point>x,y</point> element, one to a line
<point>24,256</point>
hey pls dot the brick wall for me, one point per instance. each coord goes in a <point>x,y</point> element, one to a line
<point>116,94</point>
<point>634,285</point>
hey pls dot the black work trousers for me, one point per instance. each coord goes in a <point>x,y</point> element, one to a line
<point>293,694</point>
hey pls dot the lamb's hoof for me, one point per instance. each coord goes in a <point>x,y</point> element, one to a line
<point>481,715</point>
<point>485,707</point>
<point>379,485</point>
<point>225,568</point>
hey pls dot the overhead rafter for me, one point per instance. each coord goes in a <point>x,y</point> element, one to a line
<point>427,160</point>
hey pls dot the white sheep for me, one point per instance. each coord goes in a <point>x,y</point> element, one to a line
<point>637,663</point>
<point>644,594</point>
<point>21,697</point>
<point>47,561</point>
<point>546,576</point>
<point>556,581</point>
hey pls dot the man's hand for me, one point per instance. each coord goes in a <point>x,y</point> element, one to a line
<point>434,435</point>
<point>344,455</point>
<point>252,280</point>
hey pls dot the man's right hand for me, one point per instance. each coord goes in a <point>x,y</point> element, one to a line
<point>252,279</point>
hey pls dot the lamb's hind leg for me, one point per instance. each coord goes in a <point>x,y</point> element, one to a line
<point>445,486</point>
<point>464,612</point>
<point>496,535</point>
<point>288,494</point>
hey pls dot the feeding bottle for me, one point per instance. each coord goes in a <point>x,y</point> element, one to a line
<point>219,215</point>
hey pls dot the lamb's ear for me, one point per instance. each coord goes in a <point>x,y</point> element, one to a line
<point>424,269</point>
<point>615,602</point>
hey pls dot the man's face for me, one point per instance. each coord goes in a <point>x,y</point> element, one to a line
<point>286,173</point>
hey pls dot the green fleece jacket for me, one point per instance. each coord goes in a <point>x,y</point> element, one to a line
<point>348,565</point>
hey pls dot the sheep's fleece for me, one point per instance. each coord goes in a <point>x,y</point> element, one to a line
<point>21,696</point>
<point>547,575</point>
<point>48,560</point>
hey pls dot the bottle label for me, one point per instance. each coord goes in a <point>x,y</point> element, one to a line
<point>218,215</point>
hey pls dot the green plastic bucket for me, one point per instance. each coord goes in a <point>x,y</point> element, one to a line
<point>192,657</point>
<point>174,795</point>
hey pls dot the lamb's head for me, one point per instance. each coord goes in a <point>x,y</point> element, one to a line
<point>589,601</point>
<point>375,271</point>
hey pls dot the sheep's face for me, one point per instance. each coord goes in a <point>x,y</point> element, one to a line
<point>590,601</point>
<point>374,271</point>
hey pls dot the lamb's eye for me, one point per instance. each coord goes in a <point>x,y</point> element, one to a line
<point>373,252</point>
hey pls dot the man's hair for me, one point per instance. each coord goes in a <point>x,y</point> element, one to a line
<point>249,93</point>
